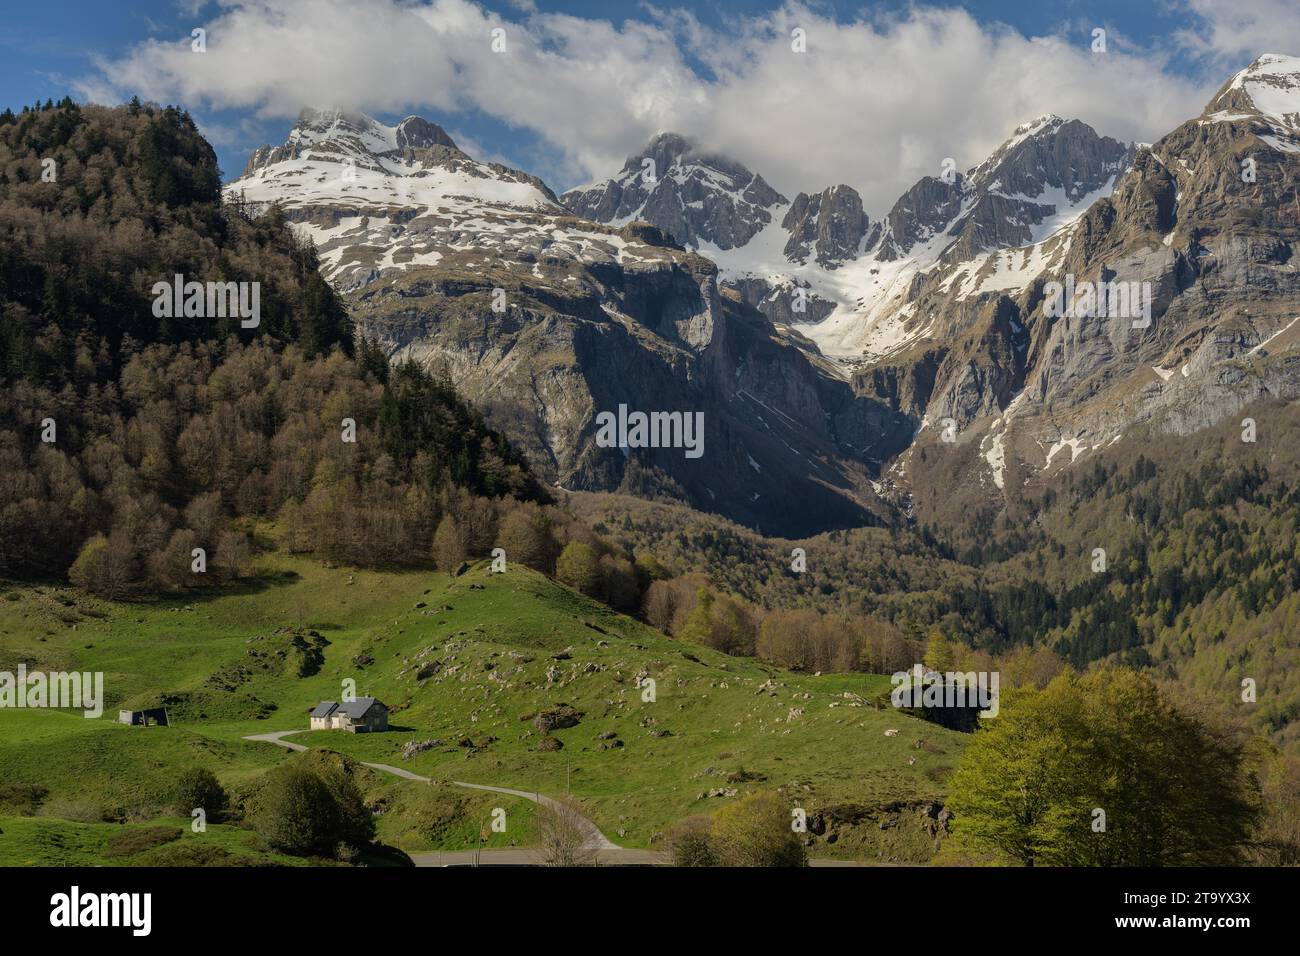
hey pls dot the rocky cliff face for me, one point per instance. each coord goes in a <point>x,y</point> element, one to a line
<point>923,212</point>
<point>545,320</point>
<point>694,197</point>
<point>1201,236</point>
<point>829,226</point>
<point>1048,167</point>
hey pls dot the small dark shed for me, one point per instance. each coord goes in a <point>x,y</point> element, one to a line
<point>153,716</point>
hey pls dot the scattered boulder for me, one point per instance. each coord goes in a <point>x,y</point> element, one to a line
<point>557,718</point>
<point>548,744</point>
<point>428,670</point>
<point>718,792</point>
<point>414,747</point>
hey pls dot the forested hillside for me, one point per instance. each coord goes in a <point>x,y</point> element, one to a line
<point>1200,580</point>
<point>127,440</point>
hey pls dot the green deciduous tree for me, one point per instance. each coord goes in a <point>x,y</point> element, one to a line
<point>449,545</point>
<point>939,654</point>
<point>525,535</point>
<point>698,627</point>
<point>1035,781</point>
<point>579,568</point>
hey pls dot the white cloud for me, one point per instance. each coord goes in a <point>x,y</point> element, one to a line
<point>877,104</point>
<point>874,103</point>
<point>1231,33</point>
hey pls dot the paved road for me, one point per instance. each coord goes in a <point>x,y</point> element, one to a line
<point>618,856</point>
<point>593,838</point>
<point>275,738</point>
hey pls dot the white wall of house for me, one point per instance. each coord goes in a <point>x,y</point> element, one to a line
<point>376,719</point>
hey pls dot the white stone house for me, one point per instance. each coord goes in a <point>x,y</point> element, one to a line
<point>361,716</point>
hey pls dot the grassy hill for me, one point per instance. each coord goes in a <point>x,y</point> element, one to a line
<point>467,662</point>
<point>44,841</point>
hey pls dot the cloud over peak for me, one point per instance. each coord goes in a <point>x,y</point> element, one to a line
<point>873,102</point>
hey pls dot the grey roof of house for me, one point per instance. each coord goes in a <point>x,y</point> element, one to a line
<point>356,709</point>
<point>324,708</point>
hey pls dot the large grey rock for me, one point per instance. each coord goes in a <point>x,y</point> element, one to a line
<point>830,226</point>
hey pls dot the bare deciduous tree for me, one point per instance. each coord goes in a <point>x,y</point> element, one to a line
<point>563,835</point>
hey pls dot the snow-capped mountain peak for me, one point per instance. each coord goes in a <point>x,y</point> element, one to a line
<point>355,184</point>
<point>352,161</point>
<point>696,197</point>
<point>1268,88</point>
<point>343,134</point>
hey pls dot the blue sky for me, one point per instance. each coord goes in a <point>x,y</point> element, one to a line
<point>884,91</point>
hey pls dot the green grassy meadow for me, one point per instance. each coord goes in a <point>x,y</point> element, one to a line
<point>465,663</point>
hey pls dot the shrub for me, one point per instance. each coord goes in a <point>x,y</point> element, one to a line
<point>135,840</point>
<point>755,831</point>
<point>197,788</point>
<point>23,799</point>
<point>303,811</point>
<point>690,842</point>
<point>195,854</point>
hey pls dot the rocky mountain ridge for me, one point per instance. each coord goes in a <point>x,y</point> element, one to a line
<point>545,319</point>
<point>824,346</point>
